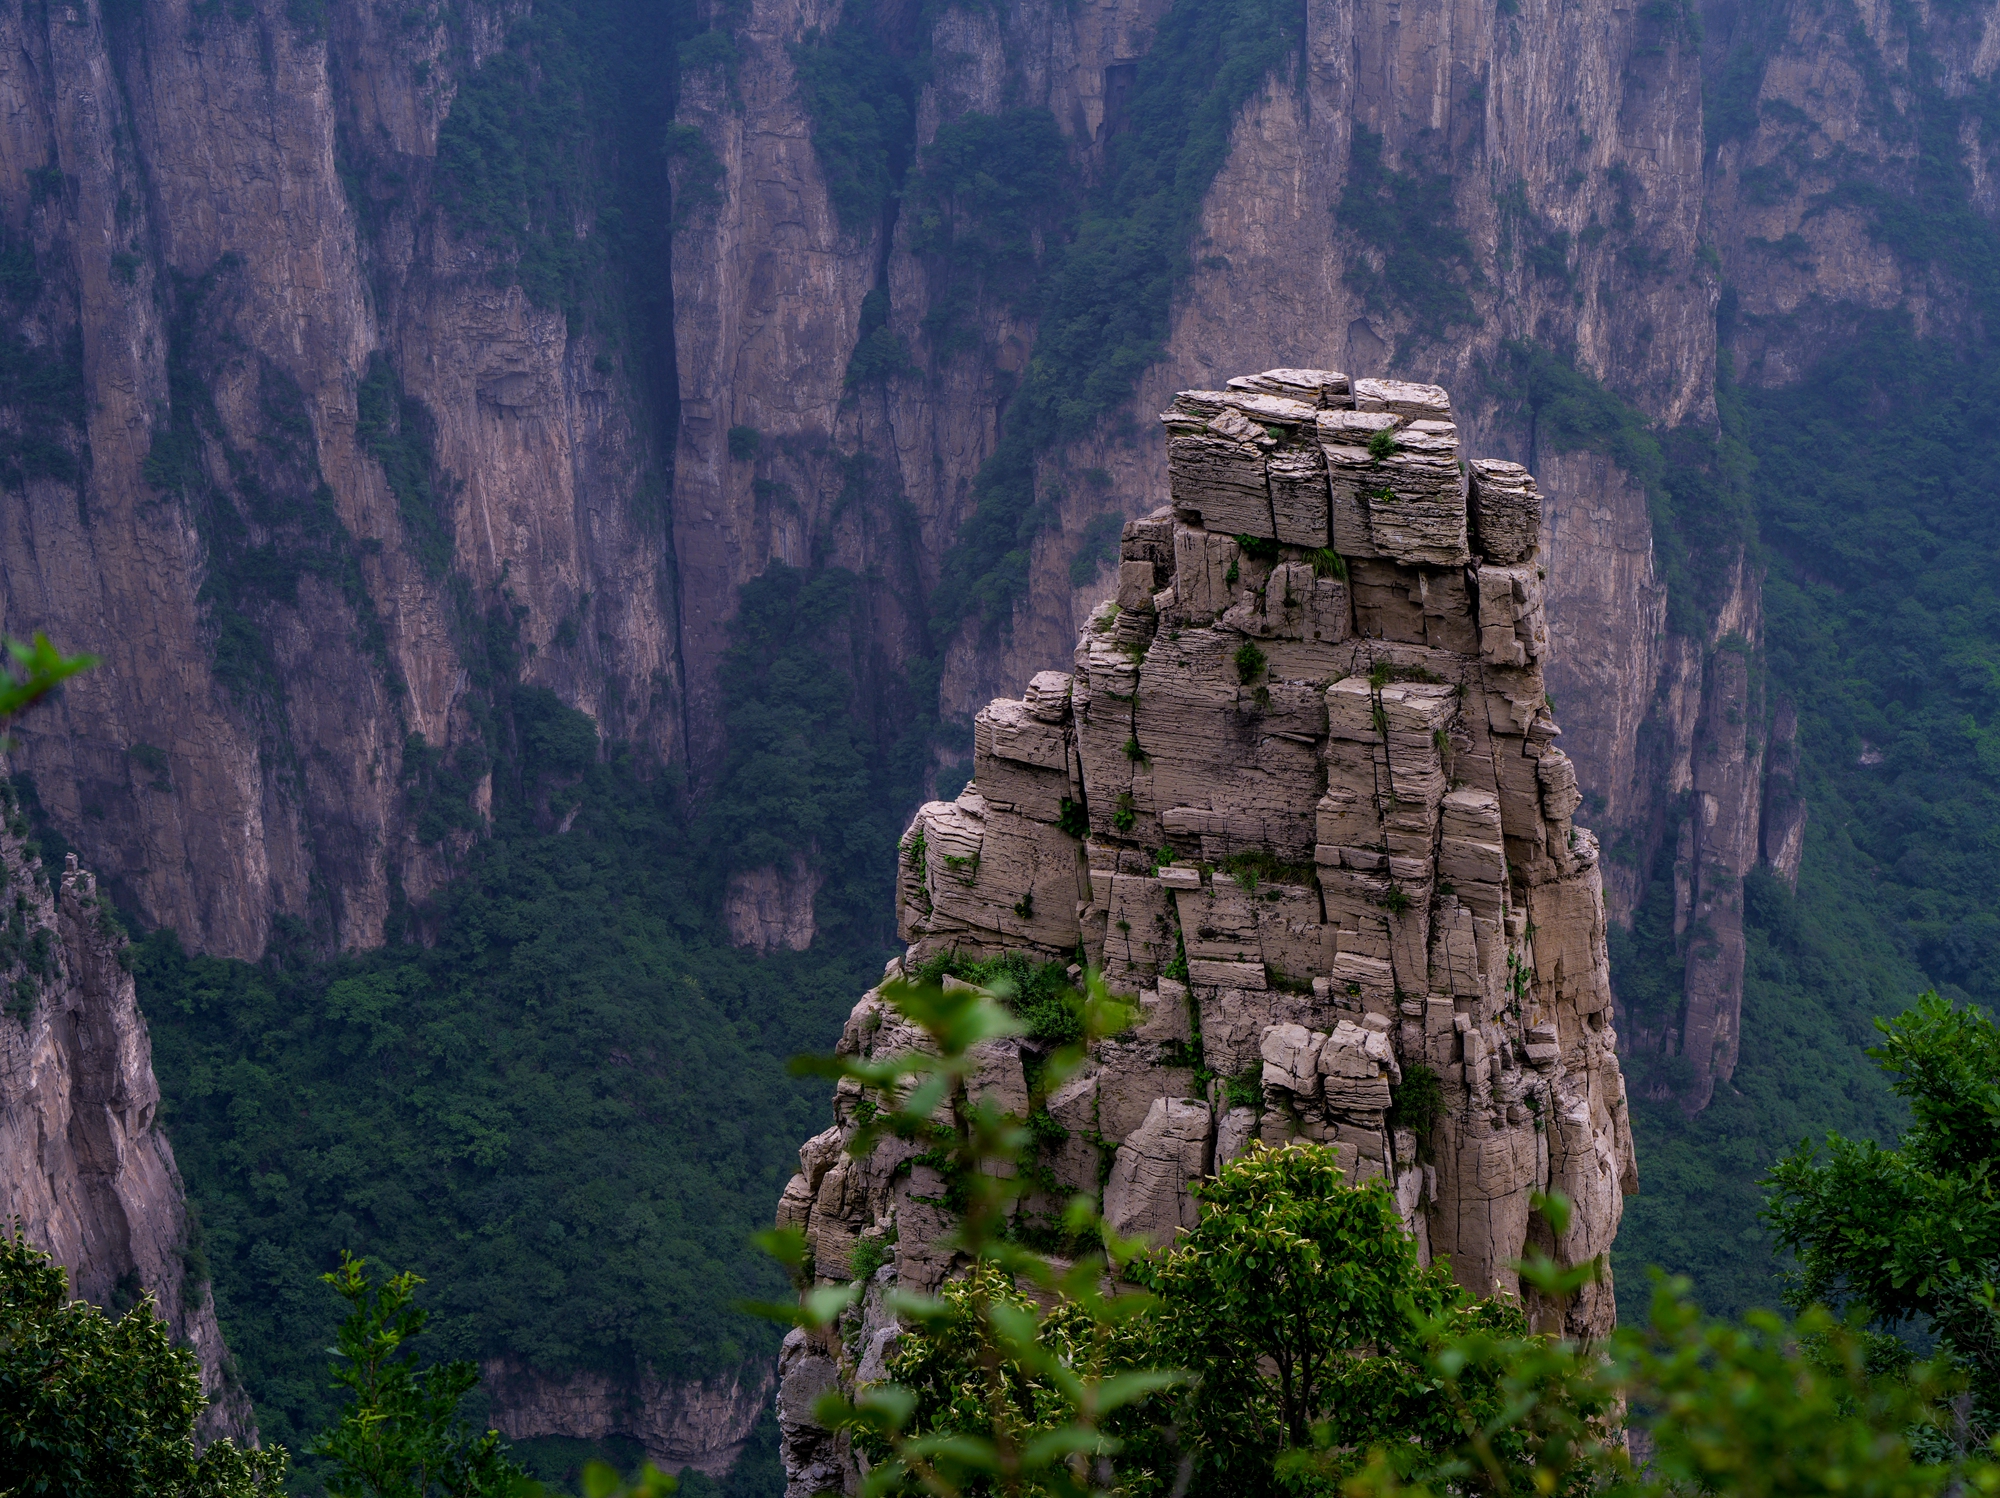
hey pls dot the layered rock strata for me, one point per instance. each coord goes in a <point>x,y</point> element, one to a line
<point>84,1166</point>
<point>1301,794</point>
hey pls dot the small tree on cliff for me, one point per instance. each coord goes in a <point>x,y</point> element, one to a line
<point>1297,1302</point>
<point>92,1407</point>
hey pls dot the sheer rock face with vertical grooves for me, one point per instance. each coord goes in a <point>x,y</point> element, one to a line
<point>84,1165</point>
<point>1330,841</point>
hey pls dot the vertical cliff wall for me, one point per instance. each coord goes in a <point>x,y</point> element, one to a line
<point>1443,187</point>
<point>1301,794</point>
<point>84,1166</point>
<point>297,452</point>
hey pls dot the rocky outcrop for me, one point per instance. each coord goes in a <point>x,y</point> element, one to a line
<point>698,1425</point>
<point>84,1166</point>
<point>771,909</point>
<point>245,254</point>
<point>1301,794</point>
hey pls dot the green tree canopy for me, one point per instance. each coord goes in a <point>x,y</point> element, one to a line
<point>1912,1234</point>
<point>1286,1302</point>
<point>401,1435</point>
<point>92,1407</point>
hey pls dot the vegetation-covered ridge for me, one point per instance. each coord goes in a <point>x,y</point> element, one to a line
<point>1290,1341</point>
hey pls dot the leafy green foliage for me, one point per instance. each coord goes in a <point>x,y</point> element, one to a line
<point>571,1105</point>
<point>33,669</point>
<point>1912,1233</point>
<point>1250,662</point>
<point>569,1101</point>
<point>987,190</point>
<point>1417,1103</point>
<point>1290,1332</point>
<point>1879,629</point>
<point>1408,219</point>
<point>1039,994</point>
<point>1296,1301</point>
<point>1814,977</point>
<point>401,1434</point>
<point>1883,627</point>
<point>1756,1408</point>
<point>802,772</point>
<point>514,156</point>
<point>1261,866</point>
<point>1878,623</point>
<point>921,1095</point>
<point>90,1405</point>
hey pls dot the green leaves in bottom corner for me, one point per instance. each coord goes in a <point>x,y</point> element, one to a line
<point>90,1405</point>
<point>601,1481</point>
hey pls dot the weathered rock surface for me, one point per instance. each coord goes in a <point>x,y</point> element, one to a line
<point>84,1165</point>
<point>1301,794</point>
<point>699,1425</point>
<point>771,909</point>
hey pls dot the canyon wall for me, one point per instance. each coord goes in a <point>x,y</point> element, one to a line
<point>85,1168</point>
<point>313,451</point>
<point>285,452</point>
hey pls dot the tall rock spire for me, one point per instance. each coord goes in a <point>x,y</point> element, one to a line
<point>1301,794</point>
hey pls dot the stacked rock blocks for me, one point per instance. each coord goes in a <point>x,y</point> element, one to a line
<point>1301,795</point>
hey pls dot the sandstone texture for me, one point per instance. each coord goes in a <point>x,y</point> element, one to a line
<point>1301,793</point>
<point>84,1165</point>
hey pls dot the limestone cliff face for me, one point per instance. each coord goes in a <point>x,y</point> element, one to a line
<point>276,619</point>
<point>84,1165</point>
<point>1572,147</point>
<point>239,241</point>
<point>1366,742</point>
<point>701,1425</point>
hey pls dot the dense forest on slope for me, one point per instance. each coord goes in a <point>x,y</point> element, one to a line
<point>1883,628</point>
